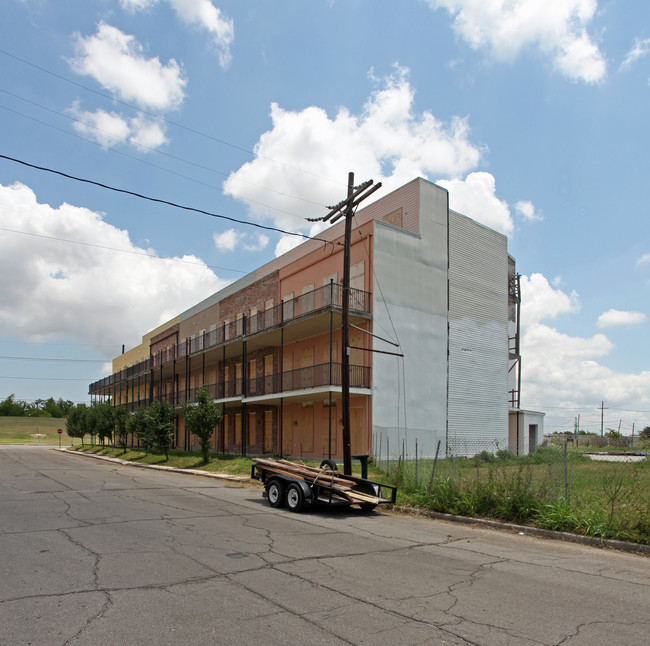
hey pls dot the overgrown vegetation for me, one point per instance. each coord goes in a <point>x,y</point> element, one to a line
<point>601,499</point>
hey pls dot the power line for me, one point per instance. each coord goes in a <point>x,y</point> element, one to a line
<point>144,161</point>
<point>135,253</point>
<point>161,118</point>
<point>166,202</point>
<point>149,148</point>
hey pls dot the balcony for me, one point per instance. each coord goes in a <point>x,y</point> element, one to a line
<point>320,300</point>
<point>289,383</point>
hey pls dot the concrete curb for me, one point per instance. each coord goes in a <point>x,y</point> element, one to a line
<point>624,546</point>
<point>635,548</point>
<point>158,467</point>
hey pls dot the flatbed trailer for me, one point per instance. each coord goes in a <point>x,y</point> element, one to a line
<point>298,486</point>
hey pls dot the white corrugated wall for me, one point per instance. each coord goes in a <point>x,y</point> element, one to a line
<point>478,338</point>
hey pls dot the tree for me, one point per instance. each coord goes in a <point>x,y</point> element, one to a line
<point>11,408</point>
<point>140,425</point>
<point>645,433</point>
<point>121,426</point>
<point>201,419</point>
<point>161,419</point>
<point>76,425</point>
<point>103,421</point>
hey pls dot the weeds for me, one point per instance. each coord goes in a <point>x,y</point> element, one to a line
<point>605,500</point>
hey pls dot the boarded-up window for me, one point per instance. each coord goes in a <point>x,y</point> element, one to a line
<point>306,425</point>
<point>268,431</point>
<point>252,377</point>
<point>307,299</point>
<point>238,376</point>
<point>287,432</point>
<point>394,218</point>
<point>357,285</point>
<point>268,373</point>
<point>325,429</point>
<point>287,306</point>
<point>238,429</point>
<point>252,429</point>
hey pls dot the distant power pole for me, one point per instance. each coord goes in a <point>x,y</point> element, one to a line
<point>603,408</point>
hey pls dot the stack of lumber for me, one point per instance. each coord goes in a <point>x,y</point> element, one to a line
<point>338,483</point>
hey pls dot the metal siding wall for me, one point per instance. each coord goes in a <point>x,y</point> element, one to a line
<point>478,337</point>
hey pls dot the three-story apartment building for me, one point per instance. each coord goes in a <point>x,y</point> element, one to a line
<point>438,285</point>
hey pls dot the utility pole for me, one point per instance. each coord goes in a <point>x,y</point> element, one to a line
<point>347,208</point>
<point>603,408</point>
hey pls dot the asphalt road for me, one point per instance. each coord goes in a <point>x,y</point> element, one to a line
<point>93,553</point>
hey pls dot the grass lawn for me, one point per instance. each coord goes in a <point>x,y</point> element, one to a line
<point>32,430</point>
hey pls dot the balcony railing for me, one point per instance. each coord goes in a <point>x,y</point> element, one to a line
<point>309,303</point>
<point>318,376</point>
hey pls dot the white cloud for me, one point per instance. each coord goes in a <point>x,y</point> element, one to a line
<point>557,28</point>
<point>387,142</point>
<point>59,289</point>
<point>640,49</point>
<point>205,15</point>
<point>111,128</point>
<point>541,301</point>
<point>475,197</point>
<point>116,61</point>
<point>643,259</point>
<point>563,370</point>
<point>614,318</point>
<point>199,13</point>
<point>526,210</point>
<point>230,240</point>
<point>137,5</point>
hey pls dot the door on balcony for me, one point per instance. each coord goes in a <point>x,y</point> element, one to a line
<point>268,374</point>
<point>307,367</point>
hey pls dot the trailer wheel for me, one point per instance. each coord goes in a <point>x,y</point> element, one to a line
<point>275,493</point>
<point>328,463</point>
<point>295,498</point>
<point>367,506</point>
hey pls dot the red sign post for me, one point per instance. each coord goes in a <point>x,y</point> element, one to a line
<point>59,431</point>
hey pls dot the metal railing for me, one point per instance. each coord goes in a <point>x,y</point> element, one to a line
<point>290,310</point>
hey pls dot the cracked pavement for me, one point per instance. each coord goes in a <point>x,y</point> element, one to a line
<point>95,553</point>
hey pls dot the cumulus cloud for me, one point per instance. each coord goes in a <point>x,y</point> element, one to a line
<point>58,289</point>
<point>110,128</point>
<point>640,49</point>
<point>201,14</point>
<point>116,61</point>
<point>475,196</point>
<point>204,15</point>
<point>388,141</point>
<point>568,370</point>
<point>557,28</point>
<point>526,210</point>
<point>542,301</point>
<point>614,318</point>
<point>230,240</point>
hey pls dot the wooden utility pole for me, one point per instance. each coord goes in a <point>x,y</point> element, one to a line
<point>347,208</point>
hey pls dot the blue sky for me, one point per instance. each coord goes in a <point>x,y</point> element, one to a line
<point>533,113</point>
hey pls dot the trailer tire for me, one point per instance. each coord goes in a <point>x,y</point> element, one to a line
<point>328,463</point>
<point>275,493</point>
<point>295,498</point>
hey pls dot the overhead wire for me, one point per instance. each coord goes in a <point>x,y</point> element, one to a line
<point>165,202</point>
<point>165,119</point>
<point>148,148</point>
<point>129,251</point>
